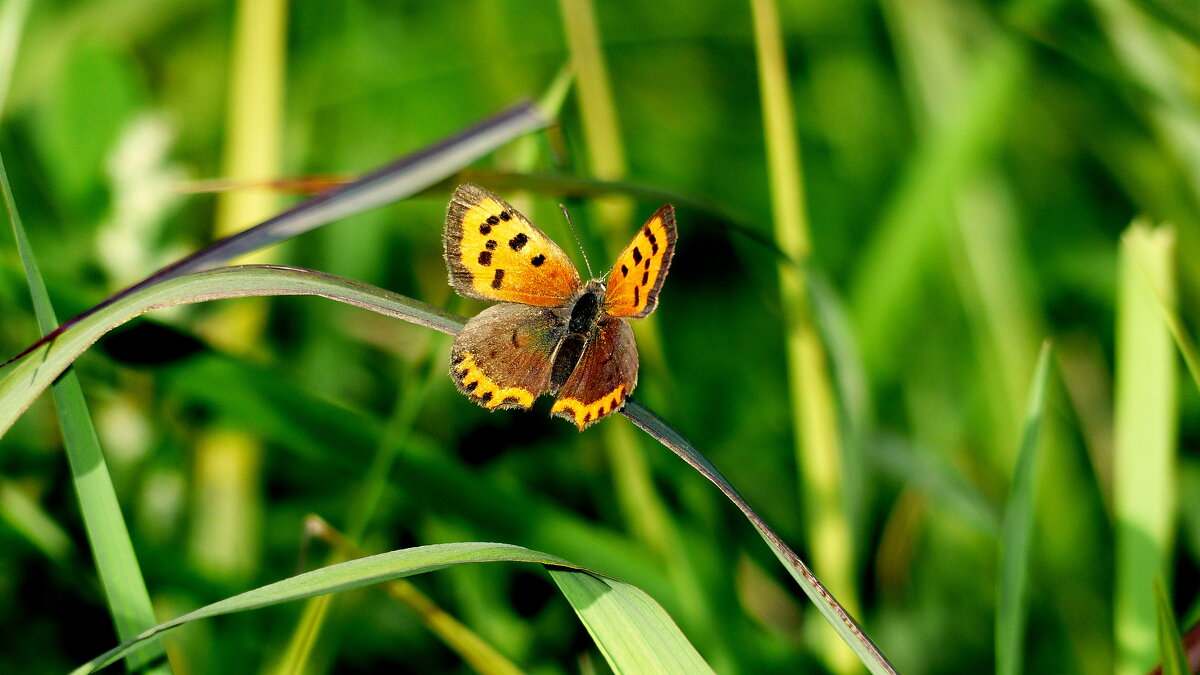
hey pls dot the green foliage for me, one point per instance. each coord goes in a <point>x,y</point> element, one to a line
<point>969,172</point>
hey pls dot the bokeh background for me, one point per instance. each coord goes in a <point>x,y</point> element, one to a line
<point>969,171</point>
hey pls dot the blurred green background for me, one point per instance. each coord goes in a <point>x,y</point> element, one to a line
<point>970,169</point>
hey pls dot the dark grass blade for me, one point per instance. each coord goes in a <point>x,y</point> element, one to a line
<point>832,610</point>
<point>28,377</point>
<point>632,630</point>
<point>116,562</point>
<point>1016,537</point>
<point>402,178</point>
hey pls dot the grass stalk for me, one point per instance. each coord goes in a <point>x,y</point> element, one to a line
<point>228,507</point>
<point>1145,416</point>
<point>815,423</point>
<point>116,561</point>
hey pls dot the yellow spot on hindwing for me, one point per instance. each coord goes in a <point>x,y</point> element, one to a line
<point>477,385</point>
<point>585,414</point>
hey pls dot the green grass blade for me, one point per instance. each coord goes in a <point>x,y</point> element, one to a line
<point>24,379</point>
<point>1016,537</point>
<point>615,616</point>
<point>632,630</point>
<point>830,608</point>
<point>1170,642</point>
<point>116,562</point>
<point>1144,459</point>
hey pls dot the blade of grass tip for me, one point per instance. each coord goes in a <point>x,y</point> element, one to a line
<point>1144,426</point>
<point>626,610</point>
<point>397,180</point>
<point>1016,534</point>
<point>826,603</point>
<point>1170,315</point>
<point>815,422</point>
<point>24,380</point>
<point>116,562</point>
<point>1170,643</point>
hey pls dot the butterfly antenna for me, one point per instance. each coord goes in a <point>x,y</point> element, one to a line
<point>577,240</point>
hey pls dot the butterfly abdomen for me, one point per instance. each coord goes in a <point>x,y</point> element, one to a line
<point>585,312</point>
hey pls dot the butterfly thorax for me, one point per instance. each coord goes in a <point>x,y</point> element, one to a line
<point>586,310</point>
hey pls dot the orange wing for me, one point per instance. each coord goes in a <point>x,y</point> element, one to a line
<point>495,253</point>
<point>638,275</point>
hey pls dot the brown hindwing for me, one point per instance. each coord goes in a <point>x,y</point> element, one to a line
<point>502,357</point>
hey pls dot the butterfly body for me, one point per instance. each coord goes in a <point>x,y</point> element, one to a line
<point>550,333</point>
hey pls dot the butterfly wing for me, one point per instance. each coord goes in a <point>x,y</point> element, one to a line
<point>502,358</point>
<point>494,253</point>
<point>638,275</point>
<point>603,378</point>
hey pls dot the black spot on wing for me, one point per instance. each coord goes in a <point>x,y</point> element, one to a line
<point>636,301</point>
<point>487,396</point>
<point>624,271</point>
<point>472,385</point>
<point>485,258</point>
<point>498,280</point>
<point>637,255</point>
<point>645,277</point>
<point>518,242</point>
<point>505,215</point>
<point>485,229</point>
<point>537,260</point>
<point>490,245</point>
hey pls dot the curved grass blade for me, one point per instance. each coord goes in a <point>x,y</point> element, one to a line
<point>25,379</point>
<point>829,607</point>
<point>402,178</point>
<point>116,561</point>
<point>1017,532</point>
<point>631,629</point>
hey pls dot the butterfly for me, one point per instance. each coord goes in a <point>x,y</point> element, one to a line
<point>551,333</point>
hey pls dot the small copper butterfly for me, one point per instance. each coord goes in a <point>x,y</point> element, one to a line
<point>551,333</point>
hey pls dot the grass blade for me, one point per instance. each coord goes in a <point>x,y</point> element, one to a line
<point>1016,536</point>
<point>616,615</point>
<point>27,377</point>
<point>1170,643</point>
<point>1144,430</point>
<point>834,613</point>
<point>116,562</point>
